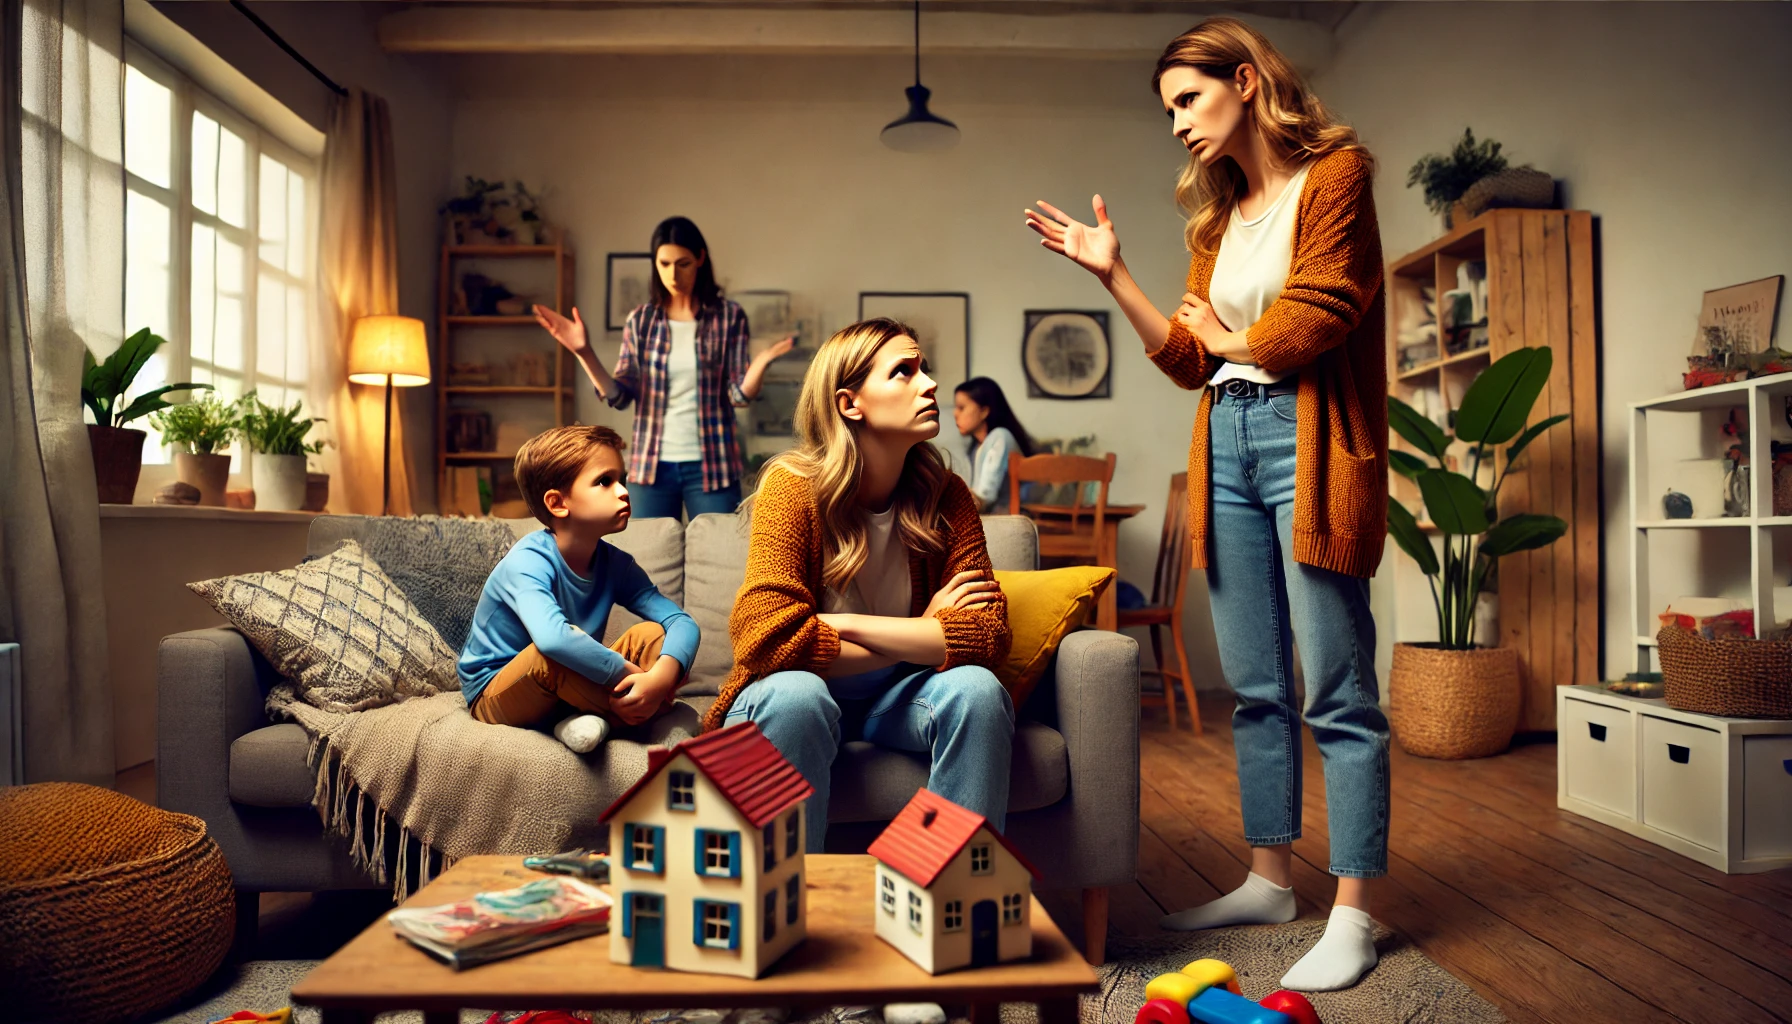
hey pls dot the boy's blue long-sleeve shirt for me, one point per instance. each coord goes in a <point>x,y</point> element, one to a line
<point>534,597</point>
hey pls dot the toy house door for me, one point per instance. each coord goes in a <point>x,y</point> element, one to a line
<point>983,933</point>
<point>650,930</point>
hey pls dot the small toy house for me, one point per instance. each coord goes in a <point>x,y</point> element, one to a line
<point>951,891</point>
<point>707,857</point>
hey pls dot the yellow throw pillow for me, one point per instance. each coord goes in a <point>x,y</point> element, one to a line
<point>1043,607</point>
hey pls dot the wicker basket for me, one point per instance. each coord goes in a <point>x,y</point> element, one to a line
<point>1733,678</point>
<point>109,908</point>
<point>1453,704</point>
<point>1515,186</point>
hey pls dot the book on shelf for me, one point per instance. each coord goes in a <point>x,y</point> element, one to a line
<point>493,925</point>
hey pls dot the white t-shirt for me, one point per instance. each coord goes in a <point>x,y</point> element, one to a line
<point>882,586</point>
<point>1250,270</point>
<point>680,440</point>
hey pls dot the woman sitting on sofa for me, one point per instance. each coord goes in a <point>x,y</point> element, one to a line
<point>870,609</point>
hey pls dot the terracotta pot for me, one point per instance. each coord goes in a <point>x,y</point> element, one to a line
<point>317,492</point>
<point>209,473</point>
<point>279,482</point>
<point>117,461</point>
<point>1453,704</point>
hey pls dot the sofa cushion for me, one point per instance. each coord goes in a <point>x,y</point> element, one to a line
<point>268,769</point>
<point>1043,607</point>
<point>657,546</point>
<point>715,566</point>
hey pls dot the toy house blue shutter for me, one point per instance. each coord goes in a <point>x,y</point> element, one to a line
<point>699,911</point>
<point>659,849</point>
<point>734,915</point>
<point>628,914</point>
<point>734,861</point>
<point>700,845</point>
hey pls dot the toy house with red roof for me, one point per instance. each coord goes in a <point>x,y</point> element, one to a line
<point>951,891</point>
<point>706,855</point>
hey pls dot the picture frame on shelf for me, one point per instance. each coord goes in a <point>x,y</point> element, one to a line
<point>942,324</point>
<point>1739,320</point>
<point>1067,354</point>
<point>628,282</point>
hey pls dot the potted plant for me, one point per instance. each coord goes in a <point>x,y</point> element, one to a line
<point>117,449</point>
<point>199,428</point>
<point>1452,699</point>
<point>1445,178</point>
<point>277,437</point>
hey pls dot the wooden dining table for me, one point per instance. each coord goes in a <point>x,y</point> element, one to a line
<point>1060,517</point>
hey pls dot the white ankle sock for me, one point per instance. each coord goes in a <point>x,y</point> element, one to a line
<point>1342,956</point>
<point>1257,901</point>
<point>582,733</point>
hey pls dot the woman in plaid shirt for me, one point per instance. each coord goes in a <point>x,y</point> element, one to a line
<point>684,364</point>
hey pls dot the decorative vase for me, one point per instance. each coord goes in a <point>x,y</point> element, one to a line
<point>1675,505</point>
<point>1453,704</point>
<point>117,461</point>
<point>279,482</point>
<point>209,473</point>
<point>317,492</point>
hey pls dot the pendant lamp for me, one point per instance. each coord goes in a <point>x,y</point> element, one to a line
<point>919,130</point>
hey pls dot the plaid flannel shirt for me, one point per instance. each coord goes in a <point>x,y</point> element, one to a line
<point>642,378</point>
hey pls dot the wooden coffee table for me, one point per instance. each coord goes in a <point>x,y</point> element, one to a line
<point>842,962</point>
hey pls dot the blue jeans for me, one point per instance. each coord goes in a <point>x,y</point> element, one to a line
<point>962,719</point>
<point>1256,591</point>
<point>676,483</point>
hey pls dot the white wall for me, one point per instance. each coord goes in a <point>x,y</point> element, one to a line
<point>1667,120</point>
<point>778,160</point>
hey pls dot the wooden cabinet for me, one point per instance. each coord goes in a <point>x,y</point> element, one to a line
<point>1540,290</point>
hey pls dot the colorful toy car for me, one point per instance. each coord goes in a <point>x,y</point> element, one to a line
<point>1207,992</point>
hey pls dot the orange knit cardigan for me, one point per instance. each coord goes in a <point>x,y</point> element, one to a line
<point>774,625</point>
<point>1328,324</point>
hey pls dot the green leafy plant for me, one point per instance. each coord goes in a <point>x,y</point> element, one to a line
<point>201,426</point>
<point>103,384</point>
<point>1446,177</point>
<point>1493,412</point>
<point>272,430</point>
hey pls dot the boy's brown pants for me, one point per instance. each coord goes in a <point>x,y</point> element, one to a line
<point>529,690</point>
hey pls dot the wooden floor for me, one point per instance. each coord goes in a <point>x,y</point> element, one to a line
<point>1550,916</point>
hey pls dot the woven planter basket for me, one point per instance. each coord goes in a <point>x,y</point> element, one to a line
<point>109,908</point>
<point>1733,678</point>
<point>1515,186</point>
<point>1453,704</point>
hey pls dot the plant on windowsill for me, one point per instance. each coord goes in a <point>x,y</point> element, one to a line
<point>198,429</point>
<point>277,437</point>
<point>1451,699</point>
<point>118,449</point>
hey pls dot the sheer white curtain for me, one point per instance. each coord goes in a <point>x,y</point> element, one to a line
<point>61,288</point>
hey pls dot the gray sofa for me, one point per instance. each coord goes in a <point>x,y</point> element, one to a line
<point>1074,792</point>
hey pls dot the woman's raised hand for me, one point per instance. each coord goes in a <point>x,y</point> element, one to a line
<point>569,333</point>
<point>1095,248</point>
<point>969,589</point>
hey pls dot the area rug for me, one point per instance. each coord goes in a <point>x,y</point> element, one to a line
<point>1404,988</point>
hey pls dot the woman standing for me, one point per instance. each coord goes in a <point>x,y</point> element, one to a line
<point>870,610</point>
<point>981,412</point>
<point>1282,324</point>
<point>684,364</point>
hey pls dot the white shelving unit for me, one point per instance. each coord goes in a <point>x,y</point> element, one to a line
<point>1706,556</point>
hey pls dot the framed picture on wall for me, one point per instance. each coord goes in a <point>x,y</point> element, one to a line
<point>1066,353</point>
<point>628,282</point>
<point>942,323</point>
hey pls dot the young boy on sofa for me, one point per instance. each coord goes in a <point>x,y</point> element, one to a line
<point>534,655</point>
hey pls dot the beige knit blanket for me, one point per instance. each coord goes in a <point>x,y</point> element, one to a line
<point>417,785</point>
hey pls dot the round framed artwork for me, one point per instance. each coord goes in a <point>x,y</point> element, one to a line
<point>1065,353</point>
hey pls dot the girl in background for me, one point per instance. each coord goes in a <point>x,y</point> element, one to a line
<point>981,412</point>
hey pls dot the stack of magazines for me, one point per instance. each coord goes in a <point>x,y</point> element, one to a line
<point>494,925</point>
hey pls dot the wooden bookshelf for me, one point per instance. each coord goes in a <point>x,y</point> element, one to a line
<point>518,334</point>
<point>1541,285</point>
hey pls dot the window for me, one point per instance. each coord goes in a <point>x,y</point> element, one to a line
<point>717,924</point>
<point>793,897</point>
<point>889,894</point>
<point>1011,908</point>
<point>718,853</point>
<point>914,911</point>
<point>980,862</point>
<point>952,917</point>
<point>771,846</point>
<point>681,791</point>
<point>771,916</point>
<point>793,831</point>
<point>220,242</point>
<point>646,847</point>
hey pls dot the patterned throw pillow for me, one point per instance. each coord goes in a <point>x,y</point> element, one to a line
<point>338,629</point>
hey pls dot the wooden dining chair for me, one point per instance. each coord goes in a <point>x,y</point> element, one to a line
<point>1169,586</point>
<point>1076,541</point>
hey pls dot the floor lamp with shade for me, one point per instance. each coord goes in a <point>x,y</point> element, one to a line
<point>393,351</point>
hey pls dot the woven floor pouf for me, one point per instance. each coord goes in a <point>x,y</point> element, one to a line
<point>109,908</point>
